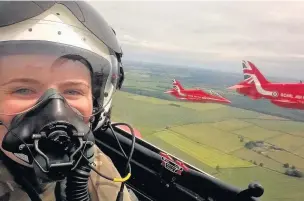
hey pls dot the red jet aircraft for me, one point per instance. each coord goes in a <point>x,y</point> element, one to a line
<point>256,86</point>
<point>195,95</point>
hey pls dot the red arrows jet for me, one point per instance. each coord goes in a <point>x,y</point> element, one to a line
<point>256,86</point>
<point>195,95</point>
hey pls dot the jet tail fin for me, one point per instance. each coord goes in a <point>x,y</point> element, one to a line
<point>177,85</point>
<point>250,69</point>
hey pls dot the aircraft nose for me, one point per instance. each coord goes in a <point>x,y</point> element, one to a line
<point>234,87</point>
<point>226,101</point>
<point>168,92</point>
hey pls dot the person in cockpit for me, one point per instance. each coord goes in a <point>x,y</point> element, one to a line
<point>57,62</point>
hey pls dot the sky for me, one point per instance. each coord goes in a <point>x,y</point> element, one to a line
<point>211,34</point>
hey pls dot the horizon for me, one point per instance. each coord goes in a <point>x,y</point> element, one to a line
<point>211,35</point>
<point>280,78</point>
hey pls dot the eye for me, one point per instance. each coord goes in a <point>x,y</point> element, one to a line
<point>23,91</point>
<point>73,92</point>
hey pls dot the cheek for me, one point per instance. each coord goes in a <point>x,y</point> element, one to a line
<point>5,119</point>
<point>2,131</point>
<point>7,109</point>
<point>10,106</point>
<point>2,134</point>
<point>84,106</point>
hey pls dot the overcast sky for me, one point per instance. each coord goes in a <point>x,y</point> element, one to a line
<point>211,34</point>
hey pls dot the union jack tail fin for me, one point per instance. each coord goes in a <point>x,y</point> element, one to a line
<point>250,71</point>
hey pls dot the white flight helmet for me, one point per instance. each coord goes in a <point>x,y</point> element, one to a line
<point>66,29</point>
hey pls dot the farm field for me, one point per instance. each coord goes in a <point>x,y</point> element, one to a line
<point>214,137</point>
<point>208,155</point>
<point>254,157</point>
<point>277,186</point>
<point>288,142</point>
<point>206,133</point>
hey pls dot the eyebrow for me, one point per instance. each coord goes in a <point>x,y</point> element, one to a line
<point>75,83</point>
<point>24,80</point>
<point>33,81</point>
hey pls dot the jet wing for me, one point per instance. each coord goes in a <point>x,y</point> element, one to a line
<point>284,101</point>
<point>197,92</point>
<point>239,86</point>
<point>288,104</point>
<point>214,93</point>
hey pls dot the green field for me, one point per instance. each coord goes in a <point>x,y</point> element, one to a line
<point>286,126</point>
<point>208,155</point>
<point>145,115</point>
<point>168,147</point>
<point>205,133</point>
<point>288,142</point>
<point>257,133</point>
<point>300,151</point>
<point>231,124</point>
<point>200,107</point>
<point>286,157</point>
<point>209,135</point>
<point>278,187</point>
<point>259,158</point>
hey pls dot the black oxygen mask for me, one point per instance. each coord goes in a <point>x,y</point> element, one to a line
<point>52,135</point>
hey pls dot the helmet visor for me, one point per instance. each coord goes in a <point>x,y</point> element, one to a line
<point>29,68</point>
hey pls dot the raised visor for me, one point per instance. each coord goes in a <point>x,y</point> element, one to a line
<point>152,181</point>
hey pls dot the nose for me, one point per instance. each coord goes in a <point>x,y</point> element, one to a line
<point>234,87</point>
<point>226,101</point>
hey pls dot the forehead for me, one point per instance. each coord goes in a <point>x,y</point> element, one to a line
<point>45,61</point>
<point>41,65</point>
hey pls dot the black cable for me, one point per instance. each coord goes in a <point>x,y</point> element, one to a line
<point>120,193</point>
<point>128,165</point>
<point>133,139</point>
<point>117,140</point>
<point>31,191</point>
<point>94,169</point>
<point>77,180</point>
<point>30,152</point>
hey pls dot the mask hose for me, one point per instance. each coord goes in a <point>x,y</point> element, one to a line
<point>77,180</point>
<point>77,184</point>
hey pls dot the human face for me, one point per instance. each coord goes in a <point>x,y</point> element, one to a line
<point>25,78</point>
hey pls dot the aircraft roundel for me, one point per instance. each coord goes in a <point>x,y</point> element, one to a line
<point>275,94</point>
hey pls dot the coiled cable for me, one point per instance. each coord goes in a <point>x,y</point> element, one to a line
<point>77,184</point>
